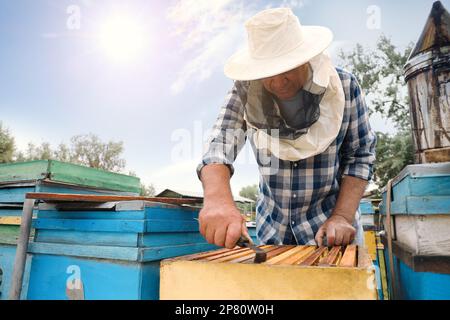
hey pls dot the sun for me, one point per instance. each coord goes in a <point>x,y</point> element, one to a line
<point>122,38</point>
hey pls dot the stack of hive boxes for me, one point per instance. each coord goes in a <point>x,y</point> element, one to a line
<point>17,179</point>
<point>420,224</point>
<point>111,250</point>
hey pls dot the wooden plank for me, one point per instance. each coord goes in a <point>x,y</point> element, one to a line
<point>251,254</point>
<point>437,155</point>
<point>61,197</point>
<point>349,257</point>
<point>105,252</point>
<point>23,171</point>
<point>363,258</point>
<point>172,226</point>
<point>199,256</point>
<point>68,173</point>
<point>137,226</point>
<point>11,220</point>
<point>48,186</point>
<point>428,205</point>
<point>158,253</point>
<point>169,238</point>
<point>234,254</point>
<point>15,195</point>
<point>9,234</point>
<point>120,239</point>
<point>92,215</point>
<point>279,259</point>
<point>228,256</point>
<point>314,257</point>
<point>117,225</point>
<point>271,252</point>
<point>86,176</point>
<point>332,258</point>
<point>299,257</point>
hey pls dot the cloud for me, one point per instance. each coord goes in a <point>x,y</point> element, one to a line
<point>181,175</point>
<point>211,31</point>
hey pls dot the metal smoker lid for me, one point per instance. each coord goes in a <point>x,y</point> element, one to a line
<point>436,32</point>
<point>433,43</point>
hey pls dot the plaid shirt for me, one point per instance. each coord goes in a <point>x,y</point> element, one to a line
<point>294,203</point>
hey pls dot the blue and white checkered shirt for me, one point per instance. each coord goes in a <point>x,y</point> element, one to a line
<point>294,203</point>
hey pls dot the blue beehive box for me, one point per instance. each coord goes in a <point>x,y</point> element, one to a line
<point>17,179</point>
<point>420,209</point>
<point>367,214</point>
<point>114,249</point>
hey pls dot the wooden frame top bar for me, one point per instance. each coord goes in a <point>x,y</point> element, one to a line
<point>302,256</point>
<point>63,197</point>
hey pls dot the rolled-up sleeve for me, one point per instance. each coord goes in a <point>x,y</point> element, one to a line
<point>358,149</point>
<point>228,134</point>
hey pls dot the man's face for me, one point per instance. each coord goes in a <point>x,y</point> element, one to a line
<point>286,85</point>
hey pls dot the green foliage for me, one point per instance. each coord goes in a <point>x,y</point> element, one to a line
<point>380,74</point>
<point>7,145</point>
<point>33,152</point>
<point>87,150</point>
<point>393,154</point>
<point>249,192</point>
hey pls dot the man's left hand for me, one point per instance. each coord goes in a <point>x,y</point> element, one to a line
<point>338,230</point>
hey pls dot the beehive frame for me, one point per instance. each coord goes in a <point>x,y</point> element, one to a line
<point>290,272</point>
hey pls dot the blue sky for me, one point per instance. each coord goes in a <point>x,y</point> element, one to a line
<point>57,81</point>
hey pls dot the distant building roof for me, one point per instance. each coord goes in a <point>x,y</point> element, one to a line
<point>192,194</point>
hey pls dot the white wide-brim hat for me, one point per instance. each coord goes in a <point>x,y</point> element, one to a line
<point>277,43</point>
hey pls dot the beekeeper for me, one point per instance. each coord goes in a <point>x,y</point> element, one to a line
<point>308,125</point>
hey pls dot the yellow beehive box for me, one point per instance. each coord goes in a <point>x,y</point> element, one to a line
<point>290,272</point>
<point>371,243</point>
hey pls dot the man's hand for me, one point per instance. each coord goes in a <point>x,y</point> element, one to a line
<point>222,225</point>
<point>338,230</point>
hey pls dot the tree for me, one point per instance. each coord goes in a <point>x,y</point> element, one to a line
<point>393,153</point>
<point>7,145</point>
<point>147,190</point>
<point>249,192</point>
<point>380,75</point>
<point>33,152</point>
<point>87,150</point>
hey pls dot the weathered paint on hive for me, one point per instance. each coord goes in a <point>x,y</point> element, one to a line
<point>68,173</point>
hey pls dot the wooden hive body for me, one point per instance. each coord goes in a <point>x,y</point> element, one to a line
<point>18,179</point>
<point>290,272</point>
<point>115,248</point>
<point>420,208</point>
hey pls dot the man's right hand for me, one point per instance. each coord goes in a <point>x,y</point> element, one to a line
<point>222,224</point>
